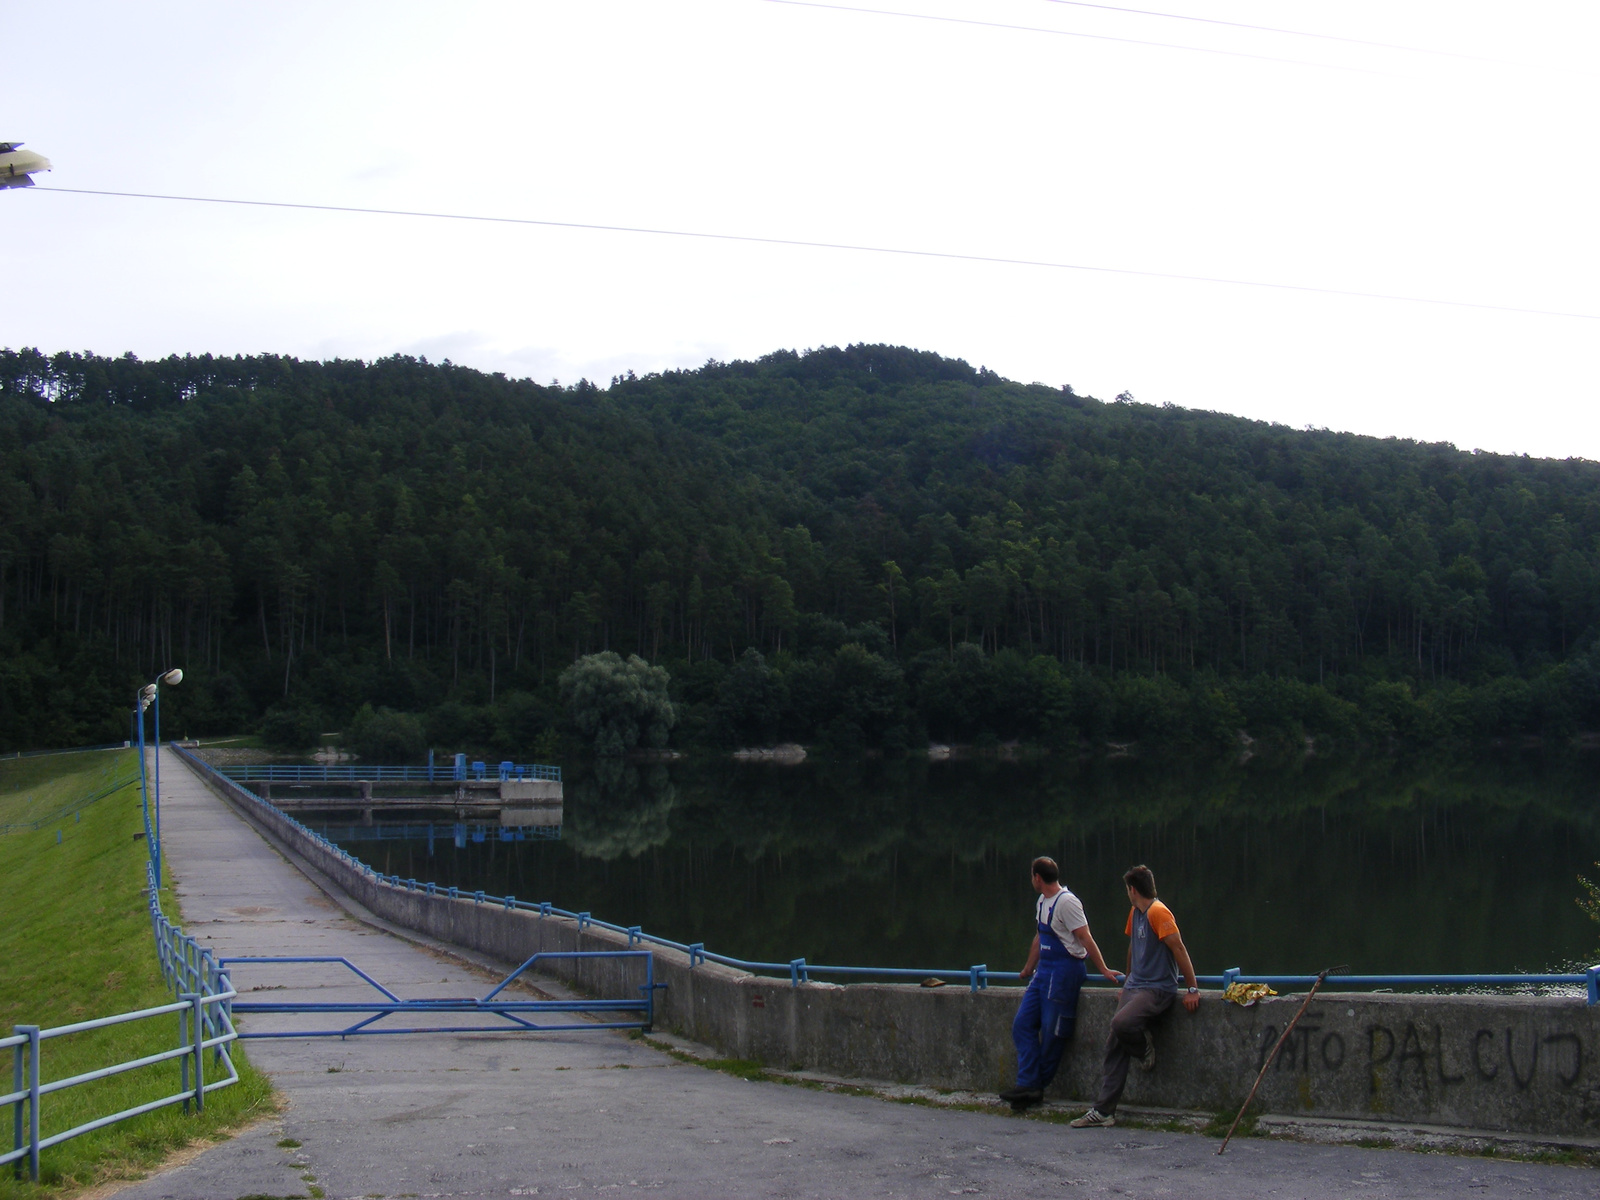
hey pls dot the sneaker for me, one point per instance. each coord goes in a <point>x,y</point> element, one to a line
<point>1021,1097</point>
<point>1147,1060</point>
<point>1094,1119</point>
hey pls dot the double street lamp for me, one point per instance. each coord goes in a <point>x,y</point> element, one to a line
<point>150,696</point>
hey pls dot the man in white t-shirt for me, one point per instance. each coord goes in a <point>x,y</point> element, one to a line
<point>1054,973</point>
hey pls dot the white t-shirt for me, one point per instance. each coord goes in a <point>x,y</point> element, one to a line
<point>1068,916</point>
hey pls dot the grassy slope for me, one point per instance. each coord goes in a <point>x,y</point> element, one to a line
<point>33,789</point>
<point>75,943</point>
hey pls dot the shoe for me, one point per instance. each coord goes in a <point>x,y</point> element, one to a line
<point>1021,1097</point>
<point>1147,1060</point>
<point>1094,1119</point>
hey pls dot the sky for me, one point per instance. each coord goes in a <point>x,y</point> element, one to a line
<point>1454,160</point>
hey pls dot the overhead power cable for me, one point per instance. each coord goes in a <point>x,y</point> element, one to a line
<point>1301,33</point>
<point>801,243</point>
<point>1094,37</point>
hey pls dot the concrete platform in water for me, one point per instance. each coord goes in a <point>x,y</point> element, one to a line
<point>512,801</point>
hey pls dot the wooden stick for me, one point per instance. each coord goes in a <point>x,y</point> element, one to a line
<point>1282,1037</point>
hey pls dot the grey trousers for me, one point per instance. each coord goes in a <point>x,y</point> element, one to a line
<point>1136,1011</point>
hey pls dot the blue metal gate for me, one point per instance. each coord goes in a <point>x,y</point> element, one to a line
<point>512,1015</point>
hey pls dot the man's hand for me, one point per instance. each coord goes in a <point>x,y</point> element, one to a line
<point>1026,973</point>
<point>1113,976</point>
<point>1191,1001</point>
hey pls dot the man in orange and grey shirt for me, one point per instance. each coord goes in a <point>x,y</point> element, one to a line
<point>1156,955</point>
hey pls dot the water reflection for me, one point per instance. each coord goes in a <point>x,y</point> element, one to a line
<point>459,833</point>
<point>620,809</point>
<point>1442,865</point>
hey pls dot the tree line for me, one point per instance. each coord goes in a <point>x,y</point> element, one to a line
<point>912,548</point>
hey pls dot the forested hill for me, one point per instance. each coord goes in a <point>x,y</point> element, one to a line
<point>915,547</point>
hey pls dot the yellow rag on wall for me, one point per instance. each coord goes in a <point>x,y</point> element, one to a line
<point>1246,994</point>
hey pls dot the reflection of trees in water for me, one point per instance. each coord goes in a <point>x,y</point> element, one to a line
<point>858,810</point>
<point>618,809</point>
<point>1271,861</point>
<point>1271,865</point>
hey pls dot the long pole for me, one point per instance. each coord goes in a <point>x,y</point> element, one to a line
<point>144,788</point>
<point>158,785</point>
<point>1278,1045</point>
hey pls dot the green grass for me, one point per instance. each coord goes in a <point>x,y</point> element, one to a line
<point>76,944</point>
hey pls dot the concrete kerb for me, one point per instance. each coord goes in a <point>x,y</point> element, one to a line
<point>1481,1066</point>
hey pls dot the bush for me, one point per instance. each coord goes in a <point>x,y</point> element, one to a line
<point>618,702</point>
<point>291,728</point>
<point>386,736</point>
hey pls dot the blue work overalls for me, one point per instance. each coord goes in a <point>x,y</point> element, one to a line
<point>1049,1010</point>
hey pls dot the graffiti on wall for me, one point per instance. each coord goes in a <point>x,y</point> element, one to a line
<point>1430,1058</point>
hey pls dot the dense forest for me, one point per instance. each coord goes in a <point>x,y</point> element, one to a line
<point>866,547</point>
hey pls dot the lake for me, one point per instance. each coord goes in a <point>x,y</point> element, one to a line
<point>1454,864</point>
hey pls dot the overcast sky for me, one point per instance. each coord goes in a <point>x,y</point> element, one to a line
<point>1220,152</point>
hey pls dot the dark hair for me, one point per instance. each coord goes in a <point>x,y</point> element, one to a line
<point>1046,869</point>
<point>1141,880</point>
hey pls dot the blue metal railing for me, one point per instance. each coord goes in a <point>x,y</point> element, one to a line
<point>205,1022</point>
<point>977,977</point>
<point>346,773</point>
<point>196,1015</point>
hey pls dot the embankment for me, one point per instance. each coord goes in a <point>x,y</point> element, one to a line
<point>1515,1064</point>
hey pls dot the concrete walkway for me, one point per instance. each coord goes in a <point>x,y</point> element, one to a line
<point>567,1114</point>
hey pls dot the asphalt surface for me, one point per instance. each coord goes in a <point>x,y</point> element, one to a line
<point>568,1114</point>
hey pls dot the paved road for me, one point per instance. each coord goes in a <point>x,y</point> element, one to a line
<point>566,1115</point>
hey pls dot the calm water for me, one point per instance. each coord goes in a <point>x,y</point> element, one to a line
<point>1391,866</point>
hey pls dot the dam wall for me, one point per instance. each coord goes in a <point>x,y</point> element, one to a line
<point>1508,1064</point>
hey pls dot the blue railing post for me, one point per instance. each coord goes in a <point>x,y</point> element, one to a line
<point>183,1040</point>
<point>583,920</point>
<point>697,954</point>
<point>199,1025</point>
<point>978,976</point>
<point>224,986</point>
<point>1230,977</point>
<point>16,1105</point>
<point>32,1032</point>
<point>1594,984</point>
<point>633,934</point>
<point>797,972</point>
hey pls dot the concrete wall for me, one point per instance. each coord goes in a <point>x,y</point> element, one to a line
<point>1515,1064</point>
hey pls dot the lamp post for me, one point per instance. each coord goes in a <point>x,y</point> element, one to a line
<point>150,694</point>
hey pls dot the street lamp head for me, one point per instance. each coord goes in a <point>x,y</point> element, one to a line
<point>173,676</point>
